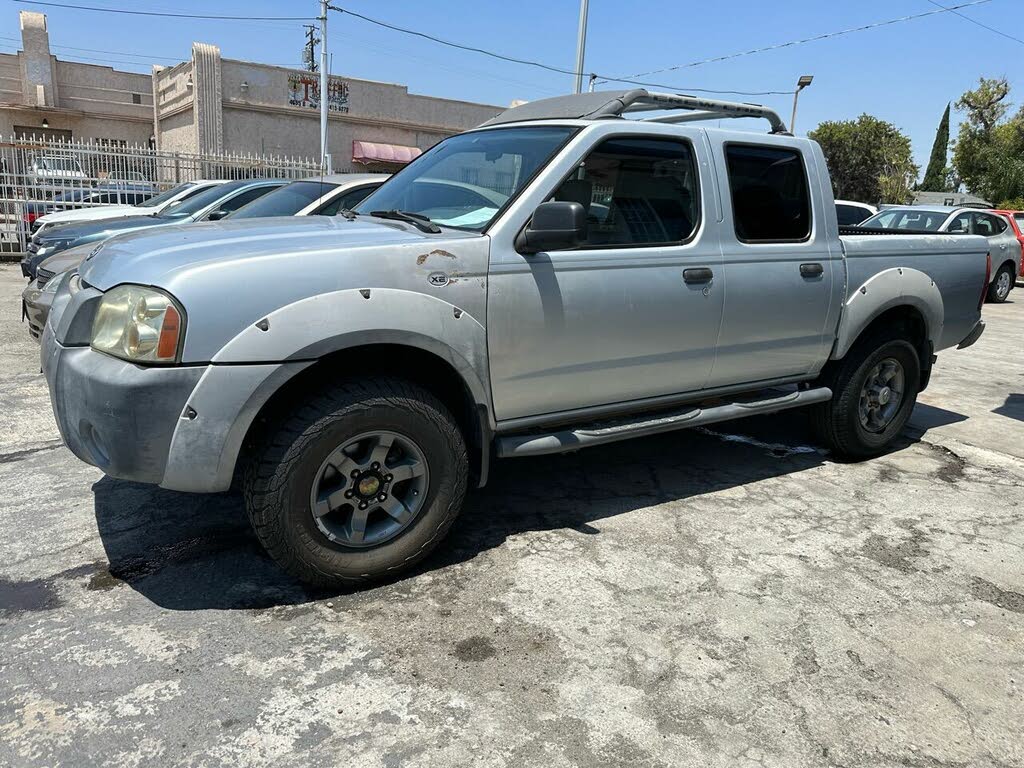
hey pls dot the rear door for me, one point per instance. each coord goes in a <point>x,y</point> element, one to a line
<point>783,268</point>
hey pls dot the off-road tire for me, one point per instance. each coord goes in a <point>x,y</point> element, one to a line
<point>993,296</point>
<point>837,424</point>
<point>277,484</point>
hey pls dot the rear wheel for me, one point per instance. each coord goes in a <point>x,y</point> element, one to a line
<point>359,484</point>
<point>1001,285</point>
<point>874,390</point>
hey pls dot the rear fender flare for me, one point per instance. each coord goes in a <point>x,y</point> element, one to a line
<point>890,288</point>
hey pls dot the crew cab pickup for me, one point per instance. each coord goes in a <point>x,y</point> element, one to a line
<point>557,278</point>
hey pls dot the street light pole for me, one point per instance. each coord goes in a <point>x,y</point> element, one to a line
<point>325,158</point>
<point>581,44</point>
<point>802,83</point>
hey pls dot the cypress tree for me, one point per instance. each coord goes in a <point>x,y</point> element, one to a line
<point>935,176</point>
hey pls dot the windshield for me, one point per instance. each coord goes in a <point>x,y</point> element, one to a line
<point>907,218</point>
<point>463,181</point>
<point>197,202</point>
<point>284,201</point>
<point>163,197</point>
<point>1019,218</point>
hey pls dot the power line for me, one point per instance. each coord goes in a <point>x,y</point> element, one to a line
<point>541,65</point>
<point>175,59</point>
<point>171,15</point>
<point>978,23</point>
<point>791,43</point>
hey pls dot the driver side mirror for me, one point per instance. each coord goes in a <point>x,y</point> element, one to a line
<point>555,226</point>
<point>216,215</point>
<point>957,227</point>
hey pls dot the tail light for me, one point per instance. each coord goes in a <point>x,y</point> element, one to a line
<point>30,216</point>
<point>988,276</point>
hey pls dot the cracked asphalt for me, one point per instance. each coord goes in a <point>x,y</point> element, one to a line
<point>722,597</point>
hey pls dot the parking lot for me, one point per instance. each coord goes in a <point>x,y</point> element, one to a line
<point>723,597</point>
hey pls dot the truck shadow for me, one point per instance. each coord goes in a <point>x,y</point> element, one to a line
<point>194,552</point>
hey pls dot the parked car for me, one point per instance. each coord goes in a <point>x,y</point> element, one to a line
<point>318,195</point>
<point>302,198</point>
<point>52,173</point>
<point>38,295</point>
<point>150,207</point>
<point>851,214</point>
<point>364,369</point>
<point>211,204</point>
<point>1003,242</point>
<point>1016,219</point>
<point>33,210</point>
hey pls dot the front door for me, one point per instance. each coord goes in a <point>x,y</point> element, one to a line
<point>784,279</point>
<point>613,320</point>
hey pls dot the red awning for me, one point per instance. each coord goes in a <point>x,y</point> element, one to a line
<point>373,152</point>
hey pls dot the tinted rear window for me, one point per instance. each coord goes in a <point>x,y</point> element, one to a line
<point>770,201</point>
<point>850,215</point>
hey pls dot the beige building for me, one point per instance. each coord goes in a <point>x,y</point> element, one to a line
<point>212,105</point>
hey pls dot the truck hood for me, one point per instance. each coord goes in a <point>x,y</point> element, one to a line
<point>168,255</point>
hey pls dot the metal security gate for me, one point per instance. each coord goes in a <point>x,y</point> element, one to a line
<point>40,175</point>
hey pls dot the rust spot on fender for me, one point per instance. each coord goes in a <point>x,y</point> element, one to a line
<point>422,258</point>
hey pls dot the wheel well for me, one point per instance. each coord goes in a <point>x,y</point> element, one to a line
<point>426,369</point>
<point>1008,263</point>
<point>910,323</point>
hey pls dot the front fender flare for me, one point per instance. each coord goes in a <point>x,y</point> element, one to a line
<point>890,288</point>
<point>319,325</point>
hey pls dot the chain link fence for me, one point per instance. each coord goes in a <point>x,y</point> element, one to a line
<point>43,175</point>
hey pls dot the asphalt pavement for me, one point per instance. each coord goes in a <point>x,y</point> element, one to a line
<point>723,597</point>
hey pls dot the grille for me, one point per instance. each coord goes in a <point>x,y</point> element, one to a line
<point>43,277</point>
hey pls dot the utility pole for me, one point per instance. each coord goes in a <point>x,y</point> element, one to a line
<point>325,157</point>
<point>309,55</point>
<point>581,44</point>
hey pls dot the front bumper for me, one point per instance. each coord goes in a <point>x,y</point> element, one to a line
<point>112,414</point>
<point>178,427</point>
<point>35,306</point>
<point>973,336</point>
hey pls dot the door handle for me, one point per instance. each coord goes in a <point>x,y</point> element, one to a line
<point>811,270</point>
<point>697,275</point>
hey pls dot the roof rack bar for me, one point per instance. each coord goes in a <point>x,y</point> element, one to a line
<point>663,101</point>
<point>604,104</point>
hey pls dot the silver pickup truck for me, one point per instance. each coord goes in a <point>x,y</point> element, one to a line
<point>558,278</point>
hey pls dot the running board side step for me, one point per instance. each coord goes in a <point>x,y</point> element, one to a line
<point>571,439</point>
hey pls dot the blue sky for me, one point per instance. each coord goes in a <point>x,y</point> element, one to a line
<point>904,73</point>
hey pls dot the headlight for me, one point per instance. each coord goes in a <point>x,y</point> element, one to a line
<point>54,282</point>
<point>138,324</point>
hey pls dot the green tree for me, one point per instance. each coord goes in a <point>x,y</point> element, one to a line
<point>989,152</point>
<point>937,174</point>
<point>869,159</point>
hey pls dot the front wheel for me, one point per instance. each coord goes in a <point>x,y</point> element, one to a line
<point>1002,283</point>
<point>359,484</point>
<point>874,390</point>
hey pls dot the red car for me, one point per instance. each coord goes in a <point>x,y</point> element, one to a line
<point>1016,219</point>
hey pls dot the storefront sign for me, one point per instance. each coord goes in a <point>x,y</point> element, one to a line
<point>304,91</point>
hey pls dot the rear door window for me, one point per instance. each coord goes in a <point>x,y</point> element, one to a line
<point>770,200</point>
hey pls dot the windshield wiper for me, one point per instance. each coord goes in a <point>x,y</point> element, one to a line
<point>418,220</point>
